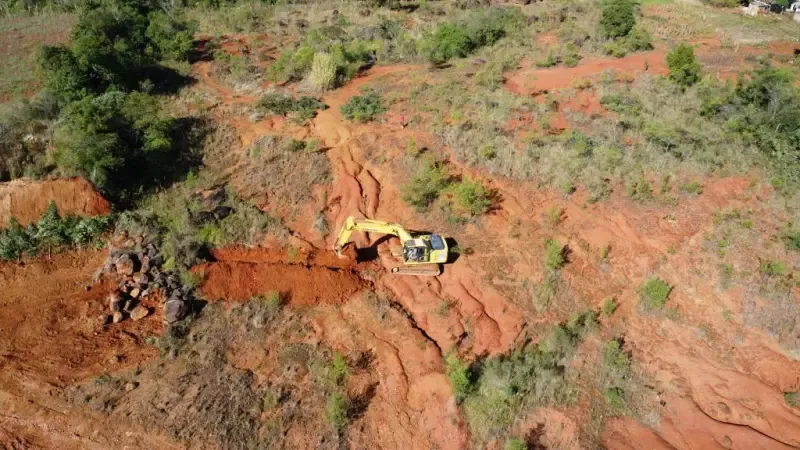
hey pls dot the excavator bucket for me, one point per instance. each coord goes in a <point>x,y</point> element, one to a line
<point>348,251</point>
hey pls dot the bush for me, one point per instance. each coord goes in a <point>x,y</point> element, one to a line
<point>323,71</point>
<point>609,306</point>
<point>459,375</point>
<point>52,232</point>
<point>792,399</point>
<point>363,108</point>
<point>426,186</point>
<point>617,18</point>
<point>336,410</point>
<point>472,197</point>
<point>118,141</point>
<point>112,44</point>
<point>304,107</point>
<point>654,294</point>
<point>530,376</point>
<point>637,40</point>
<point>516,444</point>
<point>791,239</point>
<point>479,29</point>
<point>683,66</point>
<point>553,254</point>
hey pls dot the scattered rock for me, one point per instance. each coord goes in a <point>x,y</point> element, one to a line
<point>125,265</point>
<point>175,310</point>
<point>130,386</point>
<point>103,320</point>
<point>140,278</point>
<point>145,264</point>
<point>135,292</point>
<point>115,302</point>
<point>222,212</point>
<point>140,312</point>
<point>117,317</point>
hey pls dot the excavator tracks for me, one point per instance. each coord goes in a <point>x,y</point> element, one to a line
<point>424,270</point>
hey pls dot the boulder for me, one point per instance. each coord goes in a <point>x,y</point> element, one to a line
<point>221,212</point>
<point>140,312</point>
<point>117,317</point>
<point>115,302</point>
<point>140,278</point>
<point>125,265</point>
<point>135,292</point>
<point>175,310</point>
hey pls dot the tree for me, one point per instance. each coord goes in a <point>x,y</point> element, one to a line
<point>683,66</point>
<point>617,19</point>
<point>50,232</point>
<point>14,241</point>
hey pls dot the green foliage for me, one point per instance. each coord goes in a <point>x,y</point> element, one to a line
<point>479,29</point>
<point>339,370</point>
<point>51,232</point>
<point>791,239</point>
<point>609,306</point>
<point>112,43</point>
<point>654,294</point>
<point>323,71</point>
<point>773,268</point>
<point>471,196</point>
<point>116,140</point>
<point>363,108</point>
<point>637,40</point>
<point>549,61</point>
<point>640,190</point>
<point>16,241</point>
<point>683,66</point>
<point>792,399</point>
<point>305,108</point>
<point>617,18</point>
<point>516,444</point>
<point>336,410</point>
<point>692,187</point>
<point>532,375</point>
<point>553,254</point>
<point>426,186</point>
<point>459,374</point>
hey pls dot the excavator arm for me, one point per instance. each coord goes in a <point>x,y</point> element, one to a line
<point>373,226</point>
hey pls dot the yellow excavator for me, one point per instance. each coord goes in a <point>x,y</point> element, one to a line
<point>421,253</point>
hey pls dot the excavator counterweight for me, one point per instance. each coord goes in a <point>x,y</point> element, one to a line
<point>421,253</point>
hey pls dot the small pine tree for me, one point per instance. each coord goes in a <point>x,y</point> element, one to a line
<point>50,232</point>
<point>14,241</point>
<point>683,66</point>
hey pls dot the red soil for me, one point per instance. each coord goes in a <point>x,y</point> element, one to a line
<point>26,200</point>
<point>301,282</point>
<point>534,80</point>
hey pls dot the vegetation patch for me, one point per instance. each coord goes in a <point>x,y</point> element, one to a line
<point>654,294</point>
<point>363,108</point>
<point>52,232</point>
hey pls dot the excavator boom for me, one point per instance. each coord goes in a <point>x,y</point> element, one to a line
<point>373,226</point>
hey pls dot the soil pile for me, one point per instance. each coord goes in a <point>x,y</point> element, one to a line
<point>26,200</point>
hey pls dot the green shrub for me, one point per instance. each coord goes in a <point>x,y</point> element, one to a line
<point>472,197</point>
<point>363,108</point>
<point>112,43</point>
<point>640,190</point>
<point>323,71</point>
<point>426,186</point>
<point>617,18</point>
<point>609,306</point>
<point>304,107</point>
<point>614,356</point>
<point>792,399</point>
<point>773,268</point>
<point>791,239</point>
<point>548,61</point>
<point>553,254</point>
<point>459,375</point>
<point>683,66</point>
<point>336,410</point>
<point>692,187</point>
<point>654,294</point>
<point>479,29</point>
<point>615,397</point>
<point>516,444</point>
<point>52,232</point>
<point>16,241</point>
<point>637,40</point>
